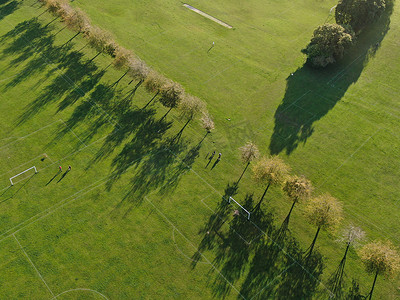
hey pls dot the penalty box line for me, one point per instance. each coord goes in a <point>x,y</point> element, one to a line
<point>62,203</point>
<point>191,244</point>
<point>265,234</point>
<point>37,271</point>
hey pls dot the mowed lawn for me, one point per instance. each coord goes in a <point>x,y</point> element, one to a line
<point>139,216</point>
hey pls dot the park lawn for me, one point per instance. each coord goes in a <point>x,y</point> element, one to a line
<point>245,77</point>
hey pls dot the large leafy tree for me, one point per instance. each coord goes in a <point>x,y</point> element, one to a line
<point>328,44</point>
<point>380,258</point>
<point>324,212</point>
<point>359,13</point>
<point>270,171</point>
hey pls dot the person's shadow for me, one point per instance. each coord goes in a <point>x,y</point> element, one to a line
<point>59,172</point>
<point>215,163</point>
<point>62,177</point>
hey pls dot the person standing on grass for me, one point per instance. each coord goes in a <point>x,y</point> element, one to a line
<point>219,156</point>
<point>69,168</point>
<point>60,168</point>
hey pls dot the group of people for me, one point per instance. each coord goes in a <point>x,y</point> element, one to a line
<point>60,168</point>
<point>211,157</point>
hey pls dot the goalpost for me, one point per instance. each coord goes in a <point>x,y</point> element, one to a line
<point>11,178</point>
<point>245,210</point>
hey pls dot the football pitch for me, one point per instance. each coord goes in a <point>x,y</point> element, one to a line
<point>143,214</point>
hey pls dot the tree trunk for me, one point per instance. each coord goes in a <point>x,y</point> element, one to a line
<point>166,114</point>
<point>373,285</point>
<point>313,242</point>
<point>51,21</point>
<point>95,56</point>
<point>237,182</point>
<point>78,33</point>
<point>115,83</point>
<point>154,97</point>
<point>262,197</point>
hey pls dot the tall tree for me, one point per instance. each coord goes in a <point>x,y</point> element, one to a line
<point>248,153</point>
<point>380,258</point>
<point>189,107</point>
<point>101,41</point>
<point>297,189</point>
<point>270,171</point>
<point>328,44</point>
<point>153,84</point>
<point>351,235</point>
<point>325,212</point>
<point>171,95</point>
<point>359,13</point>
<point>74,19</point>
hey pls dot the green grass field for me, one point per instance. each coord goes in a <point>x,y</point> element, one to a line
<point>139,216</point>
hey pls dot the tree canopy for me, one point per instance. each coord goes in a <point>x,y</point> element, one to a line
<point>249,152</point>
<point>380,257</point>
<point>207,122</point>
<point>328,44</point>
<point>191,106</point>
<point>359,13</point>
<point>270,171</point>
<point>324,211</point>
<point>171,94</point>
<point>298,188</point>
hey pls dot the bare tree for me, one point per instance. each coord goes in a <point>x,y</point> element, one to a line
<point>270,171</point>
<point>350,235</point>
<point>380,258</point>
<point>325,212</point>
<point>248,153</point>
<point>297,188</point>
<point>207,122</point>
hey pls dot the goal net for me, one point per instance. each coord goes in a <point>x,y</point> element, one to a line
<point>245,211</point>
<point>23,172</point>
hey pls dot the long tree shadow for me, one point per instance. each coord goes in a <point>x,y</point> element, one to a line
<point>310,93</point>
<point>9,8</point>
<point>240,241</point>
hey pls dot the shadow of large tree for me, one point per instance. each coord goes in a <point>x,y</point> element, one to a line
<point>311,93</point>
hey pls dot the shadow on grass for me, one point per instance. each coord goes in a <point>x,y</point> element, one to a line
<point>7,8</point>
<point>310,93</point>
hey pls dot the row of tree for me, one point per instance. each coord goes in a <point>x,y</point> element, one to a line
<point>330,41</point>
<point>323,211</point>
<point>171,94</point>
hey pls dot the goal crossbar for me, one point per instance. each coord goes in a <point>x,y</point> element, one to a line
<point>11,178</point>
<point>247,212</point>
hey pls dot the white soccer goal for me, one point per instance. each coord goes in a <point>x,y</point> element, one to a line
<point>23,173</point>
<point>245,210</point>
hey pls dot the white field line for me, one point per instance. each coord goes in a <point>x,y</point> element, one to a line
<point>25,163</point>
<point>68,80</point>
<point>273,280</point>
<point>37,271</point>
<point>183,254</point>
<point>60,204</point>
<point>25,136</point>
<point>194,247</point>
<point>266,235</point>
<point>207,16</point>
<point>348,158</point>
<point>343,72</point>
<point>47,156</point>
<point>72,131</point>
<point>79,289</point>
<point>65,157</point>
